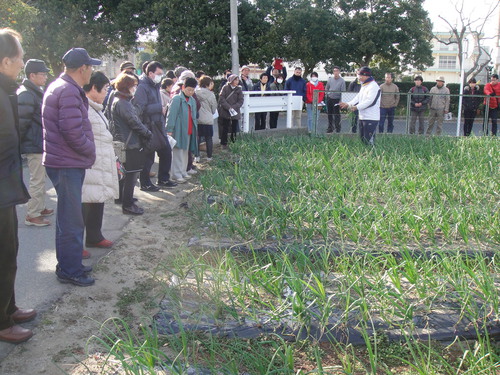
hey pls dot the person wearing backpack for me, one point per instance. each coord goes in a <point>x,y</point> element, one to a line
<point>418,105</point>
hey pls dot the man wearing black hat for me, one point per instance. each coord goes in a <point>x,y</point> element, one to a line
<point>29,101</point>
<point>68,150</point>
<point>367,102</point>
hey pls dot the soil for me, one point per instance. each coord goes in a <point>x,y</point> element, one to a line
<point>125,287</point>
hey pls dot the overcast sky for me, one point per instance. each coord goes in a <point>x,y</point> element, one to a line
<point>473,8</point>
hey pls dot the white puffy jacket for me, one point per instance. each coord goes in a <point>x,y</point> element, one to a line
<point>368,101</point>
<point>101,181</point>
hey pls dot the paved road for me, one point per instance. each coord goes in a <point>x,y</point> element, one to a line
<point>36,283</point>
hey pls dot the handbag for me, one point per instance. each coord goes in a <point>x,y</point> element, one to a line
<point>121,148</point>
<point>158,140</point>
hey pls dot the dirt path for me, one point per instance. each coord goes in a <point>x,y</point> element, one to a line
<point>124,288</point>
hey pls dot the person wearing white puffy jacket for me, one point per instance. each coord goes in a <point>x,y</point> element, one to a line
<point>367,102</point>
<point>101,181</point>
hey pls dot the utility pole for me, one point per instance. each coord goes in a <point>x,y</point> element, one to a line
<point>235,58</point>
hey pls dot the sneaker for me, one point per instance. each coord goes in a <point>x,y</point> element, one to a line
<point>179,180</point>
<point>85,254</point>
<point>104,244</point>
<point>151,188</point>
<point>132,210</point>
<point>187,176</point>
<point>46,212</point>
<point>192,171</point>
<point>83,280</point>
<point>38,221</point>
<point>167,184</point>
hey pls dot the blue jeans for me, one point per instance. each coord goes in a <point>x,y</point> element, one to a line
<point>389,113</point>
<point>69,223</point>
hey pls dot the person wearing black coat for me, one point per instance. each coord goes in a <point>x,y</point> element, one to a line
<point>128,128</point>
<point>471,105</point>
<point>12,189</point>
<point>30,97</point>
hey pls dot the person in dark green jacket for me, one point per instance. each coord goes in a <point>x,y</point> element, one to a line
<point>183,127</point>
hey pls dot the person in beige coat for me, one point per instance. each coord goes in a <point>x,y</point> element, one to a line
<point>101,181</point>
<point>440,104</point>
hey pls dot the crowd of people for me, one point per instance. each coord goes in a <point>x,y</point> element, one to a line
<point>95,137</point>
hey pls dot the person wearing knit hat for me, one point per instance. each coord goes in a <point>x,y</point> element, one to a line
<point>439,105</point>
<point>367,102</point>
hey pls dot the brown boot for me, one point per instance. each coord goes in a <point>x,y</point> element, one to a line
<point>15,334</point>
<point>23,315</point>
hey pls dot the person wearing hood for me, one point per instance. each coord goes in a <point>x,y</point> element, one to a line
<point>298,84</point>
<point>367,102</point>
<point>313,85</point>
<point>29,101</point>
<point>230,102</point>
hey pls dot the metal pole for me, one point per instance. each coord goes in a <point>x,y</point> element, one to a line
<point>235,58</point>
<point>462,73</point>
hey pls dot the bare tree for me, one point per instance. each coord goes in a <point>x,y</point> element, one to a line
<point>467,25</point>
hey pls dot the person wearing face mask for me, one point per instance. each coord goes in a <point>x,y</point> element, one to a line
<point>147,98</point>
<point>277,85</point>
<point>311,86</point>
<point>129,129</point>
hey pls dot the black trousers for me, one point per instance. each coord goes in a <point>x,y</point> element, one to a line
<point>9,245</point>
<point>92,217</point>
<point>260,120</point>
<point>228,126</point>
<point>333,113</point>
<point>164,165</point>
<point>127,186</point>
<point>469,116</point>
<point>273,119</point>
<point>367,130</point>
<point>493,115</point>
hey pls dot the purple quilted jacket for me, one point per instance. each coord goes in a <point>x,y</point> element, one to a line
<point>68,141</point>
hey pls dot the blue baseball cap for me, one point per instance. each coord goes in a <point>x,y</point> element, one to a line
<point>77,57</point>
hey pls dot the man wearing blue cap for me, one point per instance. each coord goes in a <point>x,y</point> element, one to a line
<point>29,101</point>
<point>69,149</point>
<point>367,102</point>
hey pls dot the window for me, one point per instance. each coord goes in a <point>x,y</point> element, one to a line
<point>447,62</point>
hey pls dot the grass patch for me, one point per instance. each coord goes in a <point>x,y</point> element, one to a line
<point>407,190</point>
<point>309,197</point>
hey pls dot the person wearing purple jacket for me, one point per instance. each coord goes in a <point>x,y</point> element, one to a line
<point>69,149</point>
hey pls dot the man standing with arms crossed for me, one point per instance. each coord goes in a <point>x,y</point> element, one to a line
<point>12,189</point>
<point>367,102</point>
<point>69,149</point>
<point>388,103</point>
<point>29,100</point>
<point>335,83</point>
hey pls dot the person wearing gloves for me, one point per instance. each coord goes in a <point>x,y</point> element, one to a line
<point>367,102</point>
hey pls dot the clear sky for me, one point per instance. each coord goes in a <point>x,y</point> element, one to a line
<point>475,9</point>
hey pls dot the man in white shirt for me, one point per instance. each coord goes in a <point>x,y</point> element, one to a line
<point>367,102</point>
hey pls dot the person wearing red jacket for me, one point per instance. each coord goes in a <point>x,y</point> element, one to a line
<point>493,90</point>
<point>311,86</point>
